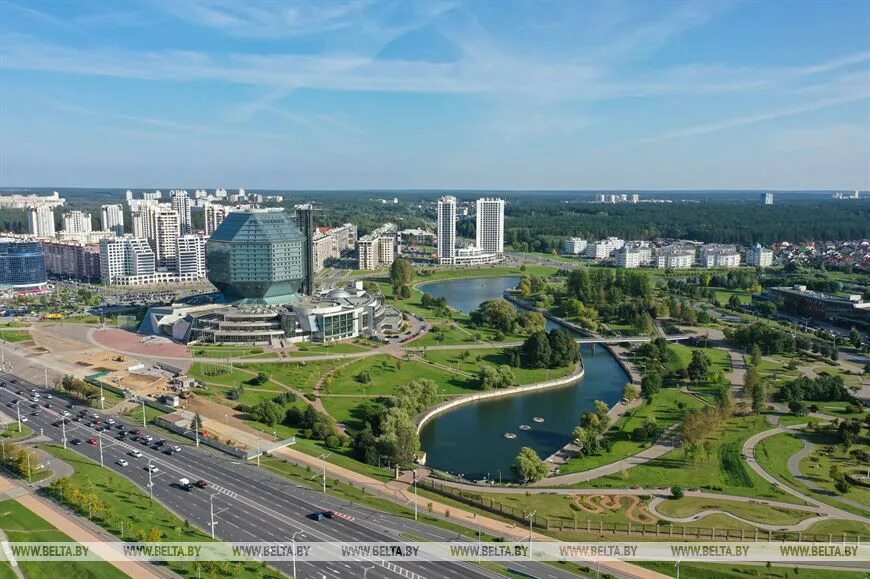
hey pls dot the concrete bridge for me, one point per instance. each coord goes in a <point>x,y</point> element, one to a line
<point>630,339</point>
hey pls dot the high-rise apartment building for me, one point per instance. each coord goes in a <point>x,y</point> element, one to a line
<point>378,248</point>
<point>214,215</point>
<point>446,230</point>
<point>575,245</point>
<point>190,257</point>
<point>167,229</point>
<point>77,222</point>
<point>41,221</point>
<point>126,260</point>
<point>767,198</point>
<point>112,218</point>
<point>490,225</point>
<point>181,205</point>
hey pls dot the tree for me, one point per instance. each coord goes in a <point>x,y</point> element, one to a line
<point>372,287</point>
<point>699,367</point>
<point>855,338</point>
<point>734,302</point>
<point>797,408</point>
<point>364,377</point>
<point>630,392</point>
<point>268,412</point>
<point>404,292</point>
<point>401,272</point>
<point>755,355</point>
<point>650,384</point>
<point>528,466</point>
<point>758,398</point>
<point>536,350</point>
<point>751,381</point>
<point>533,322</point>
<point>563,349</point>
<point>677,492</point>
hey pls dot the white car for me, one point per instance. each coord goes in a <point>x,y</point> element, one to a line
<point>152,468</point>
<point>66,412</point>
<point>176,449</point>
<point>110,421</point>
<point>23,419</point>
<point>135,454</point>
<point>148,437</point>
<point>121,462</point>
<point>48,396</point>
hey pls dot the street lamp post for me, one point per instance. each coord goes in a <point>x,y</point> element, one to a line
<point>415,494</point>
<point>143,412</point>
<point>102,398</point>
<point>100,439</point>
<point>531,519</point>
<point>366,571</point>
<point>63,427</point>
<point>323,458</point>
<point>150,484</point>
<point>18,409</point>
<point>293,541</point>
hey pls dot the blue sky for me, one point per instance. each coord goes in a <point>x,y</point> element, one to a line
<point>514,95</point>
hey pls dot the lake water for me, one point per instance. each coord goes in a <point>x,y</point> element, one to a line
<point>470,439</point>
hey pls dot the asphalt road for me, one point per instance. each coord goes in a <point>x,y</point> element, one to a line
<point>254,504</point>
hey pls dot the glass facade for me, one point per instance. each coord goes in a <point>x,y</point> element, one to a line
<point>338,326</point>
<point>255,255</point>
<point>22,264</point>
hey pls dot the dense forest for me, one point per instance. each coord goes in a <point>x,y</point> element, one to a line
<point>542,226</point>
<point>541,221</point>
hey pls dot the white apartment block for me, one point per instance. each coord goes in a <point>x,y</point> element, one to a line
<point>630,257</point>
<point>40,221</point>
<point>767,198</point>
<point>191,257</point>
<point>181,205</point>
<point>675,257</point>
<point>167,229</point>
<point>603,248</point>
<point>126,260</point>
<point>759,256</point>
<point>575,245</point>
<point>77,222</point>
<point>112,218</point>
<point>325,249</point>
<point>31,201</point>
<point>446,230</point>
<point>378,248</point>
<point>714,255</point>
<point>213,215</point>
<point>490,225</point>
<point>345,237</point>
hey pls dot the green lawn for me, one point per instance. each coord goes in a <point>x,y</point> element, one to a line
<point>22,525</point>
<point>728,571</point>
<point>665,411</point>
<point>11,433</point>
<point>14,335</point>
<point>719,357</point>
<point>317,349</point>
<point>387,373</point>
<point>494,356</point>
<point>460,331</point>
<point>126,502</point>
<point>723,470</point>
<point>773,454</point>
<point>688,506</point>
<point>724,295</point>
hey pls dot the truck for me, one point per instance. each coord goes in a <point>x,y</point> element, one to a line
<point>185,484</point>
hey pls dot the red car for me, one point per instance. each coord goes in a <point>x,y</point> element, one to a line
<point>201,484</point>
<point>137,432</point>
<point>92,441</point>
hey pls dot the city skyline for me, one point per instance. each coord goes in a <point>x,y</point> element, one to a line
<point>436,95</point>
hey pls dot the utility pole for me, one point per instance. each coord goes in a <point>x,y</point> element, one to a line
<point>415,494</point>
<point>100,439</point>
<point>63,426</point>
<point>102,398</point>
<point>150,484</point>
<point>143,412</point>
<point>18,409</point>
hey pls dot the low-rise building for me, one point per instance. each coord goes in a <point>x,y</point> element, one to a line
<point>714,255</point>
<point>758,256</point>
<point>675,257</point>
<point>603,248</point>
<point>633,256</point>
<point>416,237</point>
<point>575,245</point>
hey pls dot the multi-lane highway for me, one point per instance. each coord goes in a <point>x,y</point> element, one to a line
<point>255,505</point>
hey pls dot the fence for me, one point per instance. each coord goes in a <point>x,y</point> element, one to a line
<point>663,530</point>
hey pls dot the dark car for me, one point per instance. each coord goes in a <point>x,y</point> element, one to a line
<point>316,516</point>
<point>76,441</point>
<point>201,484</point>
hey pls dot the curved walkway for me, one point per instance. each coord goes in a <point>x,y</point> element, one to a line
<point>800,526</point>
<point>667,442</point>
<point>749,452</point>
<point>794,468</point>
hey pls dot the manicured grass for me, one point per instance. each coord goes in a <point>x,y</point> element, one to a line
<point>317,349</point>
<point>719,357</point>
<point>24,526</point>
<point>664,409</point>
<point>14,336</point>
<point>724,295</point>
<point>439,274</point>
<point>225,352</point>
<point>10,432</point>
<point>688,506</point>
<point>728,571</point>
<point>773,454</point>
<point>460,331</point>
<point>14,324</point>
<point>710,472</point>
<point>127,502</point>
<point>496,357</point>
<point>388,372</point>
<point>299,375</point>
